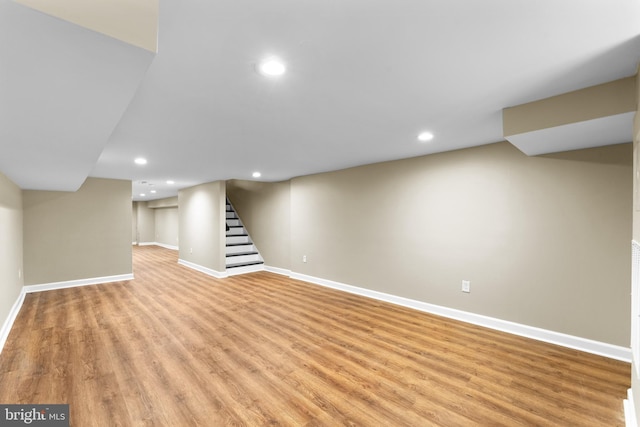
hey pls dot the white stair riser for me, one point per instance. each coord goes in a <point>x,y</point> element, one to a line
<point>238,239</point>
<point>236,230</point>
<point>243,258</point>
<point>232,222</point>
<point>231,215</point>
<point>240,248</point>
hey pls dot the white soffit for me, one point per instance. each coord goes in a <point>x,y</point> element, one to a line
<point>63,89</point>
<point>608,130</point>
<point>132,21</point>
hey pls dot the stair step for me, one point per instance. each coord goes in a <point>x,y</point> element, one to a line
<point>238,240</point>
<point>231,215</point>
<point>240,248</point>
<point>233,222</point>
<point>244,264</point>
<point>241,253</point>
<point>236,231</point>
<point>236,259</point>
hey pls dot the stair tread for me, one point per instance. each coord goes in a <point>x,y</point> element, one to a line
<point>240,244</point>
<point>244,264</point>
<point>237,235</point>
<point>243,253</point>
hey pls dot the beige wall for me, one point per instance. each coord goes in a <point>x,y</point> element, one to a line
<point>265,210</point>
<point>134,222</point>
<point>635,381</point>
<point>169,202</point>
<point>11,267</point>
<point>201,224</point>
<point>80,235</point>
<point>607,99</point>
<point>146,223</point>
<point>543,240</point>
<point>166,220</point>
<point>134,22</point>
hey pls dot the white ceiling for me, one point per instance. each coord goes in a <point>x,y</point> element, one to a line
<point>363,79</point>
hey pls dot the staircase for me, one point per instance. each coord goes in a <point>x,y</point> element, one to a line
<point>242,255</point>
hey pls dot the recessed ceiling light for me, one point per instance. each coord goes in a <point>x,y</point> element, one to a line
<point>425,136</point>
<point>140,161</point>
<point>256,174</point>
<point>153,191</point>
<point>272,67</point>
<point>142,194</point>
<point>170,182</point>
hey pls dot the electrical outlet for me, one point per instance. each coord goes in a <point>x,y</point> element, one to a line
<point>304,258</point>
<point>466,286</point>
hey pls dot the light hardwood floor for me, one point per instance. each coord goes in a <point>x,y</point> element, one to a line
<point>177,348</point>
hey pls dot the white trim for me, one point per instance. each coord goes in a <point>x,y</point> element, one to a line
<point>277,270</point>
<point>630,418</point>
<point>201,269</point>
<point>162,245</point>
<point>8,323</point>
<point>235,271</point>
<point>570,341</point>
<point>76,283</point>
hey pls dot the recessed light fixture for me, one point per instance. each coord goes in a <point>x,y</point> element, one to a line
<point>272,67</point>
<point>170,182</point>
<point>142,194</point>
<point>425,136</point>
<point>140,161</point>
<point>256,174</point>
<point>153,191</point>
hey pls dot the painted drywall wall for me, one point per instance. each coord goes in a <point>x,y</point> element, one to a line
<point>607,99</point>
<point>201,225</point>
<point>167,225</point>
<point>134,22</point>
<point>11,266</point>
<point>169,202</point>
<point>134,222</point>
<point>543,240</point>
<point>635,380</point>
<point>265,210</point>
<point>77,235</point>
<point>146,221</point>
<point>156,221</point>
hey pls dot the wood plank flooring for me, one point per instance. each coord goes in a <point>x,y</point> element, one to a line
<point>177,348</point>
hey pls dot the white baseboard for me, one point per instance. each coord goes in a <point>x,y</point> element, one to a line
<point>205,270</point>
<point>570,341</point>
<point>8,323</point>
<point>75,283</point>
<point>630,418</point>
<point>277,270</point>
<point>244,270</point>
<point>163,245</point>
